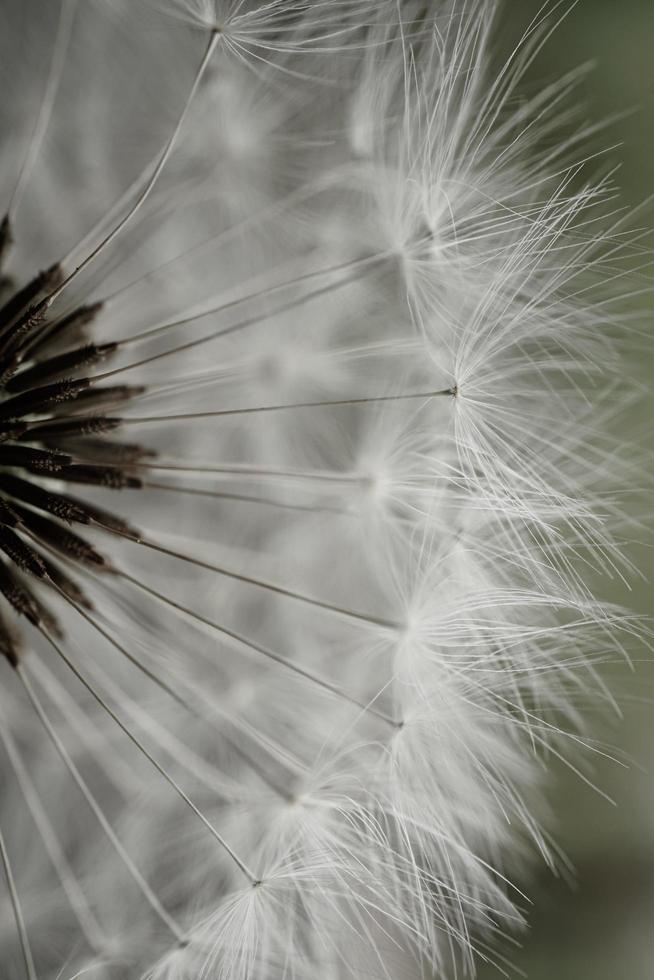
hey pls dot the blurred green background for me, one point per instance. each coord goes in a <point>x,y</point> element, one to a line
<point>600,926</point>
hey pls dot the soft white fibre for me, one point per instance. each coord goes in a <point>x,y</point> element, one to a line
<point>300,728</point>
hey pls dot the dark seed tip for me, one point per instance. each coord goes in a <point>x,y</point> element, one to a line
<point>54,274</point>
<point>11,655</point>
<point>6,238</point>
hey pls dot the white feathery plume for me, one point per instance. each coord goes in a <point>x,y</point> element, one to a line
<point>295,552</point>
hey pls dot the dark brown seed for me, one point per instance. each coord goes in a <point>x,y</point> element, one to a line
<point>101,476</point>
<point>91,425</point>
<point>99,397</point>
<point>104,451</point>
<point>57,335</point>
<point>66,584</point>
<point>36,460</point>
<point>16,336</point>
<point>9,642</point>
<point>8,515</point>
<point>21,300</point>
<point>59,367</point>
<point>12,429</point>
<point>20,598</point>
<point>45,398</point>
<point>60,538</point>
<point>21,554</point>
<point>6,238</point>
<point>105,519</point>
<point>61,506</point>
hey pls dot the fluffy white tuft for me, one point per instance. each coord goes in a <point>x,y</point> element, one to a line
<point>296,725</point>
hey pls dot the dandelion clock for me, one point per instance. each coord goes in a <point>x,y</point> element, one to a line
<point>307,373</point>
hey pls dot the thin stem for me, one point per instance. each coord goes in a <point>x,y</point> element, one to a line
<point>263,584</point>
<point>372,400</point>
<point>244,470</point>
<point>153,762</point>
<point>246,366</point>
<point>259,294</point>
<point>235,231</point>
<point>95,808</point>
<point>223,332</point>
<point>176,696</point>
<point>109,216</point>
<point>142,197</point>
<point>57,63</point>
<point>18,912</point>
<point>87,921</point>
<point>263,774</point>
<point>223,788</point>
<point>258,648</point>
<point>124,651</point>
<point>120,777</point>
<point>243,498</point>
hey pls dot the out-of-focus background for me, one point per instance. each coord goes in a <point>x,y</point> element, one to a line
<point>601,926</point>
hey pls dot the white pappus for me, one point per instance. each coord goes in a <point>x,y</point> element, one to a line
<point>305,463</point>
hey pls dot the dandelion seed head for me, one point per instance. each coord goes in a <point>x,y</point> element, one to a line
<point>305,454</point>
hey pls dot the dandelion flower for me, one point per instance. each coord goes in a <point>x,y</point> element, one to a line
<point>302,468</point>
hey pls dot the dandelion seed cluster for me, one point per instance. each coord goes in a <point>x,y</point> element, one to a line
<point>307,368</point>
